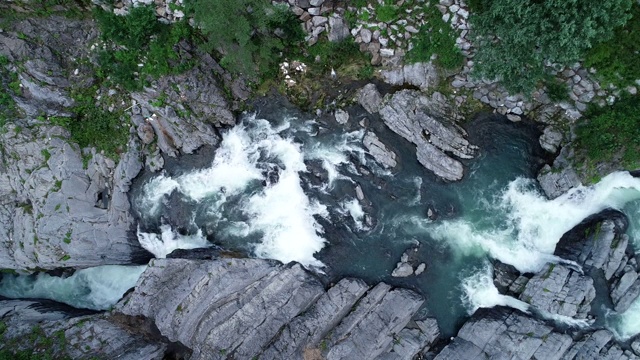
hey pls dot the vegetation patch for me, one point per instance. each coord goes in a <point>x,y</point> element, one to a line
<point>618,60</point>
<point>610,134</point>
<point>515,39</point>
<point>436,37</point>
<point>250,36</point>
<point>138,46</point>
<point>93,126</point>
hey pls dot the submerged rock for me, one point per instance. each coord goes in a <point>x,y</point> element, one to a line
<point>420,120</point>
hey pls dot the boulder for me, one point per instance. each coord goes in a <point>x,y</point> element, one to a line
<point>423,75</point>
<point>555,182</point>
<point>370,98</point>
<point>550,139</point>
<point>379,150</point>
<point>338,28</point>
<point>421,120</point>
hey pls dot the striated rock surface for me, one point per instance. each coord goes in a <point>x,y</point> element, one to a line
<point>58,206</point>
<point>246,308</point>
<point>419,119</point>
<point>56,331</point>
<point>422,75</point>
<point>380,152</point>
<point>506,333</point>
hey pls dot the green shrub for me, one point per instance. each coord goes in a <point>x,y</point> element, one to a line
<point>326,55</point>
<point>515,38</point>
<point>139,38</point>
<point>557,90</point>
<point>248,35</point>
<point>610,131</point>
<point>387,13</point>
<point>436,37</point>
<point>618,60</point>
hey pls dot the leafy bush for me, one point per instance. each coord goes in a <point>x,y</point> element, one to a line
<point>326,55</point>
<point>248,34</point>
<point>138,38</point>
<point>387,13</point>
<point>611,131</point>
<point>436,37</point>
<point>617,60</point>
<point>557,90</point>
<point>514,38</point>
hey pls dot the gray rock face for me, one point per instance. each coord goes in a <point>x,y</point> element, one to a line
<point>550,139</point>
<point>54,210</point>
<point>341,116</point>
<point>89,336</point>
<point>560,290</point>
<point>308,330</point>
<point>423,75</point>
<point>338,28</point>
<point>379,150</point>
<point>246,308</point>
<point>370,98</point>
<point>557,182</point>
<point>178,129</point>
<point>418,119</point>
<point>369,329</point>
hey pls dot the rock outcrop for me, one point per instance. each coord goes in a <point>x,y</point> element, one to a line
<point>246,308</point>
<point>53,330</point>
<point>58,206</point>
<point>510,334</point>
<point>420,120</point>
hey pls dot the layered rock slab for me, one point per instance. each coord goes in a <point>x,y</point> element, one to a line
<point>243,308</point>
<point>421,120</point>
<point>71,335</point>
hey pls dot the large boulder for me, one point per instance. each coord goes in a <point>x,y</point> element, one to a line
<point>423,121</point>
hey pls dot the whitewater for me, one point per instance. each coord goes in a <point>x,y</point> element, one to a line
<point>283,189</point>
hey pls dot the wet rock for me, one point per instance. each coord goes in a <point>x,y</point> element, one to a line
<point>550,139</point>
<point>420,269</point>
<point>410,341</point>
<point>555,182</point>
<point>341,116</point>
<point>370,98</point>
<point>379,150</point>
<point>420,120</point>
<point>403,269</point>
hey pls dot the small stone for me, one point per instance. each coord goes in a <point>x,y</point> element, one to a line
<point>454,8</point>
<point>632,90</point>
<point>366,35</point>
<point>402,270</point>
<point>314,11</point>
<point>446,17</point>
<point>341,116</point>
<point>319,20</point>
<point>514,118</point>
<point>316,3</point>
<point>359,193</point>
<point>420,269</point>
<point>387,52</point>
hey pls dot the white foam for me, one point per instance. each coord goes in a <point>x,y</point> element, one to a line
<point>480,292</point>
<point>354,209</point>
<point>96,288</point>
<point>529,225</point>
<point>281,213</point>
<point>161,245</point>
<point>334,154</point>
<point>155,190</point>
<point>625,325</point>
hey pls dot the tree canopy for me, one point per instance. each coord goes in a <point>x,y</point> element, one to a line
<point>516,38</point>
